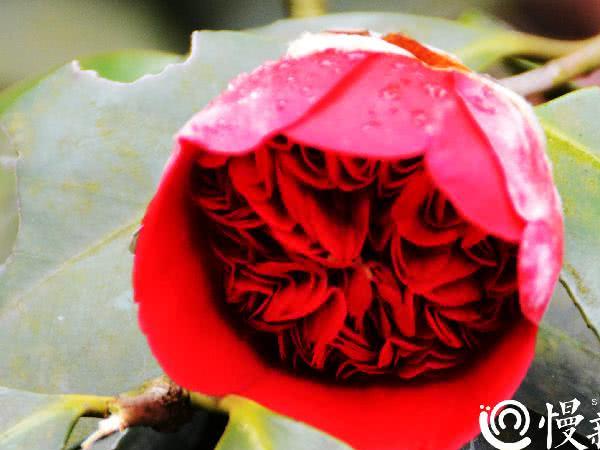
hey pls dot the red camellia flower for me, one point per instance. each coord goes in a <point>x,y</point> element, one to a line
<point>362,235</point>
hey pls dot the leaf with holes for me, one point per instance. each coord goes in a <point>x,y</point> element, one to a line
<point>90,154</point>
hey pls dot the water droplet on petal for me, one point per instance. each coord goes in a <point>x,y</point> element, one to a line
<point>354,56</point>
<point>371,124</point>
<point>326,63</point>
<point>419,117</point>
<point>483,103</point>
<point>435,90</point>
<point>390,92</point>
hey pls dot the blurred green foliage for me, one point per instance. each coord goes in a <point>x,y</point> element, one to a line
<point>37,35</point>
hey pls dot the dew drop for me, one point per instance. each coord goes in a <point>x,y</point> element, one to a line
<point>435,90</point>
<point>419,117</point>
<point>281,104</point>
<point>354,56</point>
<point>487,92</point>
<point>390,92</point>
<point>326,63</point>
<point>370,125</point>
<point>483,103</point>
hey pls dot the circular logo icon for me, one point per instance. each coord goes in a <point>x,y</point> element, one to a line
<point>492,423</point>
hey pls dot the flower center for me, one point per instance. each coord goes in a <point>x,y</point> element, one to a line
<point>353,265</point>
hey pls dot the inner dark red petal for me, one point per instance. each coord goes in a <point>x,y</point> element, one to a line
<point>353,266</point>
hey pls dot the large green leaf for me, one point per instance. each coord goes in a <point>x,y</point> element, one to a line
<point>34,421</point>
<point>91,152</point>
<point>573,135</point>
<point>121,66</point>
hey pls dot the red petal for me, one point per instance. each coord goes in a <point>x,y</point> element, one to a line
<point>463,166</point>
<point>516,142</point>
<point>180,307</point>
<point>426,268</point>
<point>540,260</point>
<point>457,293</point>
<point>297,299</point>
<point>256,188</point>
<point>272,97</point>
<point>406,214</point>
<point>381,104</point>
<point>321,327</point>
<point>437,415</point>
<point>358,295</point>
<point>338,220</point>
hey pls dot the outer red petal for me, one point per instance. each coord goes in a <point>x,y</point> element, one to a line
<point>180,311</point>
<point>434,415</point>
<point>518,144</point>
<point>257,105</point>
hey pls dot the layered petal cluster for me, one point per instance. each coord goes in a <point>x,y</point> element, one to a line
<point>352,235</point>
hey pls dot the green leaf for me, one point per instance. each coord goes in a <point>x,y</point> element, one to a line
<point>91,153</point>
<point>573,135</point>
<point>567,360</point>
<point>35,421</point>
<point>253,427</point>
<point>124,66</point>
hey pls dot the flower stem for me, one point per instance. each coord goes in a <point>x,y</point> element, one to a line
<point>90,405</point>
<point>558,71</point>
<point>158,403</point>
<point>306,8</point>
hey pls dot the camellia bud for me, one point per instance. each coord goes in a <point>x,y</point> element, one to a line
<point>367,210</point>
